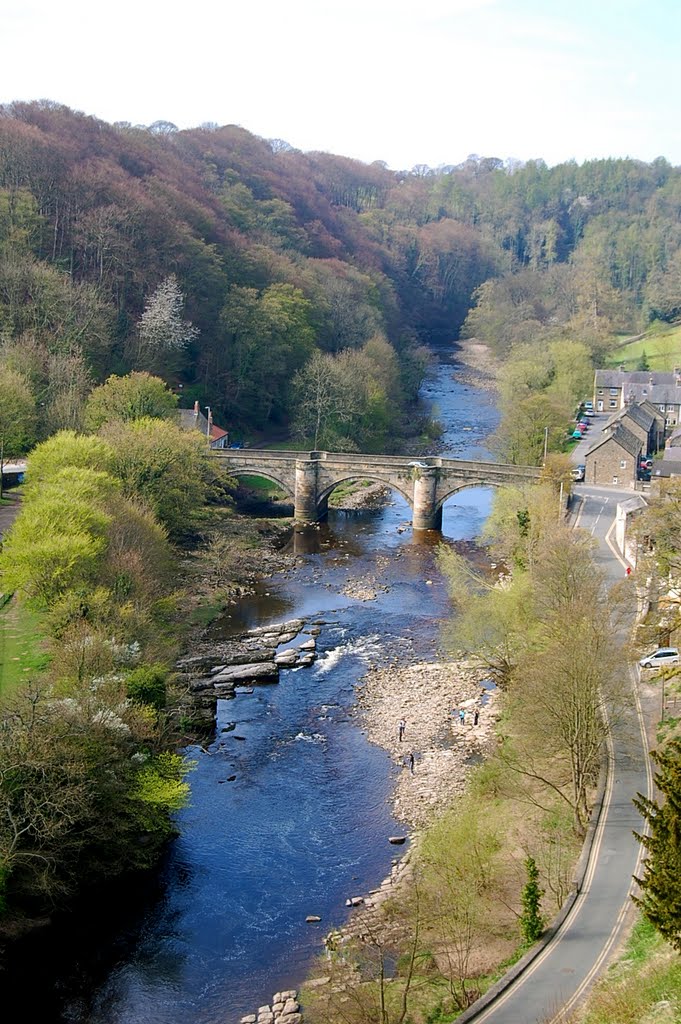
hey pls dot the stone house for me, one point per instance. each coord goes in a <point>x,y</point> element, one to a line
<point>613,389</point>
<point>614,459</point>
<point>643,420</point>
<point>193,419</point>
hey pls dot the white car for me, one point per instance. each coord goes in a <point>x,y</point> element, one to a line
<point>662,656</point>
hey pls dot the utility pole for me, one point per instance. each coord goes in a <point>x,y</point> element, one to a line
<point>208,421</point>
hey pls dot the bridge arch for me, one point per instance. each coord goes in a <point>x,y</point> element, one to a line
<point>266,474</point>
<point>391,485</point>
<point>464,485</point>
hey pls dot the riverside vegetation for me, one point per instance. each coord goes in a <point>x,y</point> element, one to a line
<point>487,872</point>
<point>93,557</point>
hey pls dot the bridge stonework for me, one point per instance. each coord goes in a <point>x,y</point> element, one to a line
<point>310,477</point>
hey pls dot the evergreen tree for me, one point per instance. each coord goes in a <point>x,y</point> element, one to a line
<point>531,920</point>
<point>643,363</point>
<point>660,898</point>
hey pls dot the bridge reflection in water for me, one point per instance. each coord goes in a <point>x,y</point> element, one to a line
<point>308,478</point>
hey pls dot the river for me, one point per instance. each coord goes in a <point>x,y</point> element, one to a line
<point>304,824</point>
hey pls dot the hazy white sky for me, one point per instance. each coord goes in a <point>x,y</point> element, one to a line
<point>405,81</point>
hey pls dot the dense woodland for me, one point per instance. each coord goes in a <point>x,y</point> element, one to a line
<point>278,256</point>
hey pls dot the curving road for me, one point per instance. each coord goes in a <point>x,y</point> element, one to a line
<point>561,974</point>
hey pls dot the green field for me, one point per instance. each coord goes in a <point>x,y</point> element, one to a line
<point>661,344</point>
<point>22,656</point>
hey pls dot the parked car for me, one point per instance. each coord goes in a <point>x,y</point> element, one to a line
<point>662,656</point>
<point>645,464</point>
<point>579,471</point>
<point>589,406</point>
<point>577,433</point>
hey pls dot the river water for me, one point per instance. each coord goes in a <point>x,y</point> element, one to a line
<point>304,825</point>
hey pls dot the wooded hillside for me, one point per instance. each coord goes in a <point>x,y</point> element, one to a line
<point>278,253</point>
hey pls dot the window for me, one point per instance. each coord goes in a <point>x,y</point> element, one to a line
<point>614,480</point>
<point>615,391</point>
<point>661,408</point>
<point>600,391</point>
<point>613,403</point>
<point>623,463</point>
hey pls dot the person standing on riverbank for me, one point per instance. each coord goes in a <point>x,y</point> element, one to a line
<point>401,726</point>
<point>410,762</point>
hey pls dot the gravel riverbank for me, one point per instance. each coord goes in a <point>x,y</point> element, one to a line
<point>428,697</point>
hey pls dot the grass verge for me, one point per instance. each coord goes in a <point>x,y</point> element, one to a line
<point>644,985</point>
<point>22,654</point>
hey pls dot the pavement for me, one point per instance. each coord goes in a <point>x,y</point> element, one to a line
<point>560,976</point>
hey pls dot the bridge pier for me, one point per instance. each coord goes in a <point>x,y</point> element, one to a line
<point>305,500</point>
<point>427,515</point>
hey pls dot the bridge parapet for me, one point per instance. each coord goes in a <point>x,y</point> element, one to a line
<point>309,477</point>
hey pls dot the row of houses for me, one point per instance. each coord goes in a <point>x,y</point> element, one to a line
<point>616,389</point>
<point>630,437</point>
<point>645,417</point>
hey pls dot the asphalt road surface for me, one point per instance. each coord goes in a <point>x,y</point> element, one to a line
<point>561,975</point>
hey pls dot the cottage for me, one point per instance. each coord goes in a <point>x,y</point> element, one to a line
<point>193,419</point>
<point>643,420</point>
<point>614,459</point>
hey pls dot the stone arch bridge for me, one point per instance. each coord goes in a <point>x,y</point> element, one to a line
<point>310,477</point>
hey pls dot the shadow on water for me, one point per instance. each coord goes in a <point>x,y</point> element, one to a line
<point>289,811</point>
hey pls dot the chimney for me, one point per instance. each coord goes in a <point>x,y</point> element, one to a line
<point>650,380</point>
<point>196,407</point>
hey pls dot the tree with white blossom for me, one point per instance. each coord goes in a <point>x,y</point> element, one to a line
<point>161,327</point>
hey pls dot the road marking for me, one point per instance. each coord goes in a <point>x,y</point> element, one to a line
<point>614,934</point>
<point>579,902</point>
<point>593,855</point>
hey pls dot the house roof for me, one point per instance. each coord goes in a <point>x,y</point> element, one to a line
<point>653,410</point>
<point>190,419</point>
<point>621,436</point>
<point>668,467</point>
<point>672,453</point>
<point>637,413</point>
<point>642,385</point>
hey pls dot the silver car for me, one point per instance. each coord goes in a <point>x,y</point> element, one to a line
<point>662,656</point>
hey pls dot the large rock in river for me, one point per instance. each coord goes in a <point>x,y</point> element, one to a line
<point>259,672</point>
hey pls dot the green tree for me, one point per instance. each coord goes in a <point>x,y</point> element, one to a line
<point>493,623</point>
<point>161,464</point>
<point>17,416</point>
<point>129,398</point>
<point>57,541</point>
<point>531,919</point>
<point>66,450</point>
<point>660,898</point>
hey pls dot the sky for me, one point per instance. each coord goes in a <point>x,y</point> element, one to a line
<point>403,81</point>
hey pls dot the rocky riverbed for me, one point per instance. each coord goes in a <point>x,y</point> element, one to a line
<point>428,698</point>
